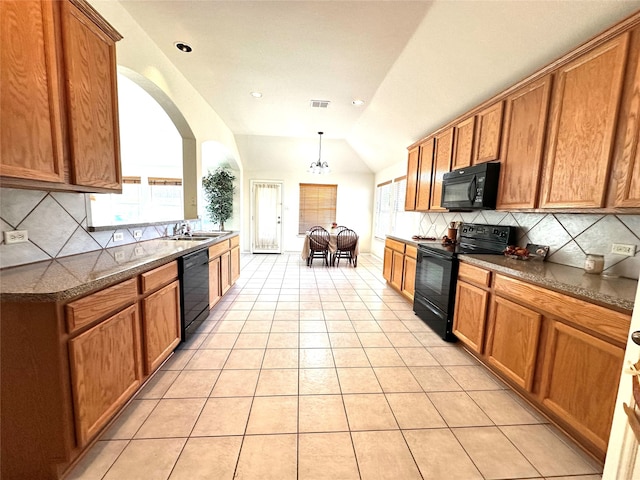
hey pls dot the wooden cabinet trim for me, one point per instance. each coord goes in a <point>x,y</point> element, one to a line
<point>86,310</point>
<point>488,134</point>
<point>395,245</point>
<point>527,353</point>
<point>218,249</point>
<point>157,277</point>
<point>595,418</point>
<point>160,325</point>
<point>463,143</point>
<point>597,319</point>
<point>568,145</point>
<point>96,396</point>
<point>473,274</point>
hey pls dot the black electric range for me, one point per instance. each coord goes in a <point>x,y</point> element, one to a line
<point>437,271</point>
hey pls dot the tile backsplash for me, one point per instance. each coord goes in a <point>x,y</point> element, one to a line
<point>570,236</point>
<point>57,226</point>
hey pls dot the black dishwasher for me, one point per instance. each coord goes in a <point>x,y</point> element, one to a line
<point>194,290</point>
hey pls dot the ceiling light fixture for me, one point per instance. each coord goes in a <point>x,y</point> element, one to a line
<point>183,47</point>
<point>256,94</point>
<point>358,103</point>
<point>319,166</point>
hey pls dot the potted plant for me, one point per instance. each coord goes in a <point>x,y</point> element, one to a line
<point>218,190</point>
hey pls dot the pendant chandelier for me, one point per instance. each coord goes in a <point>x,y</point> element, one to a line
<point>319,167</point>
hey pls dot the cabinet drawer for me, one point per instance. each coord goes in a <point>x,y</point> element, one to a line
<point>472,274</point>
<point>411,251</point>
<point>234,241</point>
<point>218,249</point>
<point>92,307</point>
<point>395,245</point>
<point>604,321</point>
<point>157,277</point>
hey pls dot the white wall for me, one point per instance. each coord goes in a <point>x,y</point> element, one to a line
<point>354,207</point>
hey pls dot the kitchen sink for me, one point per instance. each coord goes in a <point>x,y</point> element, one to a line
<point>190,238</point>
<point>210,234</point>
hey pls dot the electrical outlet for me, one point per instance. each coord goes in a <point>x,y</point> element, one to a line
<point>119,256</point>
<point>118,237</point>
<point>137,234</point>
<point>138,251</point>
<point>16,236</point>
<point>621,249</point>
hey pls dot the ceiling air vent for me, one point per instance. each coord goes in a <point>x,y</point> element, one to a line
<point>319,103</point>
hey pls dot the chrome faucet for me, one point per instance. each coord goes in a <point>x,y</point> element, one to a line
<point>182,228</point>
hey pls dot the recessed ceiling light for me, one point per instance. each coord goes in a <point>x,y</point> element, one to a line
<point>358,103</point>
<point>256,94</point>
<point>183,47</point>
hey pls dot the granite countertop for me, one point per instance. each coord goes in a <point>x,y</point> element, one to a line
<point>611,292</point>
<point>69,277</point>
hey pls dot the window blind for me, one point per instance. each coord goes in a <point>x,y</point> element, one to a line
<point>317,206</point>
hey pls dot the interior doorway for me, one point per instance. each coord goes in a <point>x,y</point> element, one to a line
<point>266,216</point>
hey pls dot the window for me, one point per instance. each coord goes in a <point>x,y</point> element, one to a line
<point>389,206</point>
<point>317,206</point>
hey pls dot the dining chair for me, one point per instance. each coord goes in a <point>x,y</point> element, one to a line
<point>318,245</point>
<point>346,242</point>
<point>339,228</point>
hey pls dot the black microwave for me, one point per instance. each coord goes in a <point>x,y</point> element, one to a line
<point>471,188</point>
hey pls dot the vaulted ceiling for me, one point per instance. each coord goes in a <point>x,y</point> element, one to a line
<point>415,64</point>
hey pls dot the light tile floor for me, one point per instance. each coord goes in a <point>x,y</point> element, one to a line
<point>312,373</point>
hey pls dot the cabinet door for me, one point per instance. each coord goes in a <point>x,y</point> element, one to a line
<point>31,134</point>
<point>522,145</point>
<point>441,165</point>
<point>387,264</point>
<point>396,270</point>
<point>409,280</point>
<point>470,315</point>
<point>512,343</point>
<point>424,174</point>
<point>463,152</point>
<point>160,325</point>
<point>412,179</point>
<point>626,178</point>
<point>225,272</point>
<point>580,381</point>
<point>105,371</point>
<point>92,101</point>
<point>215,293</point>
<point>488,133</point>
<point>584,111</point>
<point>235,264</point>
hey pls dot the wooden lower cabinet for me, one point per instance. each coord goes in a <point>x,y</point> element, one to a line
<point>225,272</point>
<point>580,375</point>
<point>399,266</point>
<point>397,270</point>
<point>105,371</point>
<point>214,282</point>
<point>235,264</point>
<point>387,264</point>
<point>512,343</point>
<point>409,277</point>
<point>160,325</point>
<point>470,314</point>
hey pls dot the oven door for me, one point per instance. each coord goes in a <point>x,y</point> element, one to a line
<point>435,277</point>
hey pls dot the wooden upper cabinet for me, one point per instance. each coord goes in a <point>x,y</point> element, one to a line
<point>583,118</point>
<point>441,165</point>
<point>90,60</point>
<point>463,151</point>
<point>626,176</point>
<point>412,179</point>
<point>425,171</point>
<point>30,103</point>
<point>488,133</point>
<point>523,138</point>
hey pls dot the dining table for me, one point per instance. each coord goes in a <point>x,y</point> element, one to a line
<point>333,246</point>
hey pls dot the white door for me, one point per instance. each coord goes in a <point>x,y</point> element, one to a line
<point>266,217</point>
<point>623,456</point>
